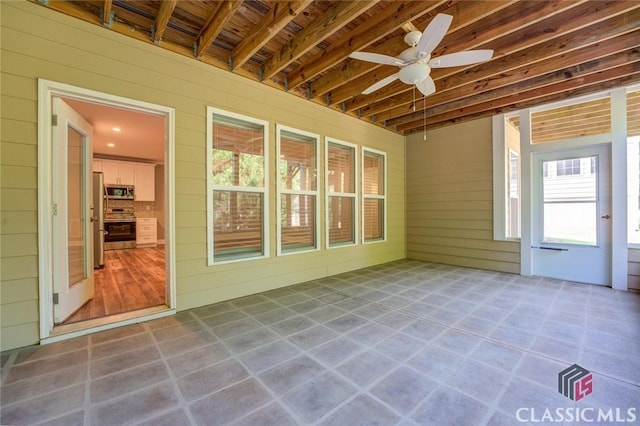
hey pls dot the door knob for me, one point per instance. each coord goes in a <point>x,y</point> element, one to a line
<point>606,216</point>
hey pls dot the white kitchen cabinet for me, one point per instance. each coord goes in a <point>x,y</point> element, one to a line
<point>145,182</point>
<point>146,232</point>
<point>140,175</point>
<point>118,172</point>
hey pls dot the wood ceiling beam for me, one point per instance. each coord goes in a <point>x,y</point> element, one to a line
<point>107,5</point>
<point>380,25</point>
<point>523,52</point>
<point>334,18</point>
<point>268,27</point>
<point>626,74</point>
<point>515,16</point>
<point>582,55</point>
<point>216,22</point>
<point>572,73</point>
<point>162,19</point>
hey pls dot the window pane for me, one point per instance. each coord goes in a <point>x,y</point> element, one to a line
<point>341,223</point>
<point>570,214</point>
<point>373,173</point>
<point>373,219</point>
<point>571,121</point>
<point>633,189</point>
<point>297,162</point>
<point>341,168</point>
<point>238,152</point>
<point>237,224</point>
<point>297,217</point>
<point>513,205</point>
<point>633,113</point>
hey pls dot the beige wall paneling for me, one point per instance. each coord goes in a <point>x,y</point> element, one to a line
<point>449,199</point>
<point>39,43</point>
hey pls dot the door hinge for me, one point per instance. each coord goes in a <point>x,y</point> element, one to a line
<point>54,120</point>
<point>55,298</point>
<point>54,210</point>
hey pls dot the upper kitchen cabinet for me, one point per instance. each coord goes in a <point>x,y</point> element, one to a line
<point>145,184</point>
<point>118,172</point>
<point>140,175</point>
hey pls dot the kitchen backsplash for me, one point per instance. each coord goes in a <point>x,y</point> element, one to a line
<point>141,208</point>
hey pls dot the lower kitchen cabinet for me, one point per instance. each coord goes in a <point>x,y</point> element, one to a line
<point>146,231</point>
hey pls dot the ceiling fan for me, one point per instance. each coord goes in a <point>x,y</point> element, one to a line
<point>415,63</point>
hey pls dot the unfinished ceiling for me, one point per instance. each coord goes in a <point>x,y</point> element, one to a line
<point>543,50</point>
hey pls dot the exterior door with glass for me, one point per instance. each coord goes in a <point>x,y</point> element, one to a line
<point>71,197</point>
<point>571,199</point>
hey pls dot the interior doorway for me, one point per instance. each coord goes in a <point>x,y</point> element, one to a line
<point>120,183</point>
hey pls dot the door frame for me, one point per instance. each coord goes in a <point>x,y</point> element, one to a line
<point>618,141</point>
<point>48,89</point>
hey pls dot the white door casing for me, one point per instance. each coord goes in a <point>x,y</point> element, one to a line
<point>47,90</point>
<point>71,226</point>
<point>556,250</point>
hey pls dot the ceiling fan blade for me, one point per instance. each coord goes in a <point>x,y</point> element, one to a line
<point>457,59</point>
<point>380,84</point>
<point>426,86</point>
<point>377,58</point>
<point>433,34</point>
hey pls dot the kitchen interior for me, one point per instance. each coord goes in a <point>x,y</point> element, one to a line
<point>128,211</point>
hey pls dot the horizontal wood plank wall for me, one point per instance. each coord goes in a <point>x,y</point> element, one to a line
<point>39,43</point>
<point>634,269</point>
<point>449,199</point>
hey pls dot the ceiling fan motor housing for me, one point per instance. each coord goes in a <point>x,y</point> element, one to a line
<point>413,73</point>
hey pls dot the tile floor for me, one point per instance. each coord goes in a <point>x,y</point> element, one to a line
<point>403,343</point>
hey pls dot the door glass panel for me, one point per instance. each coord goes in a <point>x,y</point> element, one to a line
<point>570,201</point>
<point>76,207</point>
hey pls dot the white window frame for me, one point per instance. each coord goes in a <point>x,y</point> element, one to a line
<point>382,197</point>
<point>281,191</point>
<point>211,187</point>
<point>328,194</point>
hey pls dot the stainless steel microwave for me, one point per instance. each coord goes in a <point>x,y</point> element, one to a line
<point>119,192</point>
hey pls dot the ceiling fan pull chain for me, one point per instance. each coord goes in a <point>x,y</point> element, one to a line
<point>414,98</point>
<point>424,118</point>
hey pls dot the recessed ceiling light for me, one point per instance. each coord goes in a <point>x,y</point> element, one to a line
<point>116,129</point>
<point>111,145</point>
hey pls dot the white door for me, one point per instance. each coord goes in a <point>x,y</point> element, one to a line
<point>571,196</point>
<point>71,195</point>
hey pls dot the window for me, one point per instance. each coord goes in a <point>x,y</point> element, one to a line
<point>513,205</point>
<point>374,190</point>
<point>575,120</point>
<point>633,165</point>
<point>297,154</point>
<point>237,190</point>
<point>341,193</point>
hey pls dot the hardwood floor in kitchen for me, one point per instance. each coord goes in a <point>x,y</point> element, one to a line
<point>132,279</point>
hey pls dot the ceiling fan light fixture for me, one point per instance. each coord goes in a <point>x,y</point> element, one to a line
<point>413,73</point>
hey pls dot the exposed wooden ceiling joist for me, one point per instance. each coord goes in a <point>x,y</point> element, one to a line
<point>544,50</point>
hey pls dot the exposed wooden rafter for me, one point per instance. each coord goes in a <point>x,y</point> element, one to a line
<point>162,19</point>
<point>216,22</point>
<point>544,50</point>
<point>334,18</point>
<point>272,22</point>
